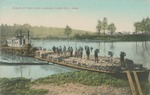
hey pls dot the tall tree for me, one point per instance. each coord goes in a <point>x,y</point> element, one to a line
<point>143,26</point>
<point>147,24</point>
<point>99,27</point>
<point>137,26</point>
<point>67,31</point>
<point>112,28</point>
<point>104,25</point>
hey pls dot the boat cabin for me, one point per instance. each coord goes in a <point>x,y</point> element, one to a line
<point>19,40</point>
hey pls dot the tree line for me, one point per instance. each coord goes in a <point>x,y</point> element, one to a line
<point>142,26</point>
<point>103,25</point>
<point>8,31</point>
<point>49,32</point>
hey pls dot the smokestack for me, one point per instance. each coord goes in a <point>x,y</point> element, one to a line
<point>20,37</point>
<point>28,37</point>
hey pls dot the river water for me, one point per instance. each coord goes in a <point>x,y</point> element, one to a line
<point>139,52</point>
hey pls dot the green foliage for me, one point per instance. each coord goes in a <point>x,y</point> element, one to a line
<point>67,31</point>
<point>112,28</point>
<point>143,25</point>
<point>18,86</point>
<point>133,37</point>
<point>99,26</point>
<point>145,85</point>
<point>13,86</point>
<point>137,26</point>
<point>83,77</point>
<point>104,24</point>
<point>7,31</point>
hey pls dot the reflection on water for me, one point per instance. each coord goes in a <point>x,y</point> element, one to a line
<point>31,71</point>
<point>10,58</point>
<point>139,52</point>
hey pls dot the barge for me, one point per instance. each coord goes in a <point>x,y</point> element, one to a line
<point>103,66</point>
<point>21,45</point>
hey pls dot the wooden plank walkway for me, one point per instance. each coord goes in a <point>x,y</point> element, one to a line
<point>137,83</point>
<point>131,83</point>
<point>132,86</point>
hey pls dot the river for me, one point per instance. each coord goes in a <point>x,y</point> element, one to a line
<point>139,52</point>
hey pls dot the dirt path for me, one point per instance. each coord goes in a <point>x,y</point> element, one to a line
<point>79,89</point>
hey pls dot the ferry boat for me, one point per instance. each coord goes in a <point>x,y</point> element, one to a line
<point>19,45</point>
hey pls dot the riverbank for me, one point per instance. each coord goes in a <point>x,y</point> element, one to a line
<point>83,83</point>
<point>107,38</point>
<point>132,37</point>
<point>71,83</point>
<point>79,89</point>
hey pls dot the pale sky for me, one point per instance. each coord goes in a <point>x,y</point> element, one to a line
<point>51,13</point>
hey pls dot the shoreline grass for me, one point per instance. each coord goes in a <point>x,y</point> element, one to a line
<point>83,77</point>
<point>23,86</point>
<point>18,86</point>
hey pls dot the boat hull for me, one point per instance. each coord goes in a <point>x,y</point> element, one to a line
<point>5,63</point>
<point>142,74</point>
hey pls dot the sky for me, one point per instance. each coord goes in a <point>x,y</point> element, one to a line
<point>78,14</point>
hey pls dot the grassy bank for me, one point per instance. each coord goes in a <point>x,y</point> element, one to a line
<point>22,86</point>
<point>83,77</point>
<point>18,86</point>
<point>89,79</point>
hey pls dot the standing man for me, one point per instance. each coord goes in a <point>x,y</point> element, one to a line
<point>64,50</point>
<point>71,51</point>
<point>60,49</point>
<point>80,53</point>
<point>76,53</point>
<point>96,55</point>
<point>54,49</point>
<point>111,55</point>
<point>57,51</point>
<point>87,52</point>
<point>122,55</point>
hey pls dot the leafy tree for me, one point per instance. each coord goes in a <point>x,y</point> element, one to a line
<point>112,28</point>
<point>143,26</point>
<point>104,24</point>
<point>137,26</point>
<point>147,25</point>
<point>26,27</point>
<point>99,26</point>
<point>67,31</point>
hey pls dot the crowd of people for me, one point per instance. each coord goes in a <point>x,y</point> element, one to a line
<point>78,52</point>
<point>64,51</point>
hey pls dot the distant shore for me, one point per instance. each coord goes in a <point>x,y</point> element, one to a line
<point>123,38</point>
